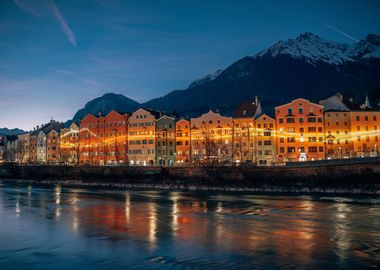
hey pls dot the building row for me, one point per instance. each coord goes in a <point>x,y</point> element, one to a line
<point>299,131</point>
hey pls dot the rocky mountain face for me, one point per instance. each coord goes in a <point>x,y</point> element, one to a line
<point>306,66</point>
<point>105,104</point>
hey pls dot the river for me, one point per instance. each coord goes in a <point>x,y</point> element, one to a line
<point>68,228</point>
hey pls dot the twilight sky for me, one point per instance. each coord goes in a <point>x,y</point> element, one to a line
<point>55,55</point>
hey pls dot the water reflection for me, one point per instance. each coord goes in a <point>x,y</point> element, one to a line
<point>141,229</point>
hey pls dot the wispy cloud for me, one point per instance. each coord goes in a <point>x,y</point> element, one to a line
<point>75,76</point>
<point>64,25</point>
<point>39,7</point>
<point>339,31</point>
<point>26,6</point>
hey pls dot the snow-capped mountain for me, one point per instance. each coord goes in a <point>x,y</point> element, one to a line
<point>306,66</point>
<point>206,79</point>
<point>313,49</point>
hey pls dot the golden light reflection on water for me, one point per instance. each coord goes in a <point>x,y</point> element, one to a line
<point>174,213</point>
<point>342,235</point>
<point>299,231</point>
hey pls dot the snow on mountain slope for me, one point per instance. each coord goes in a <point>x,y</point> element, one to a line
<point>313,49</point>
<point>206,78</point>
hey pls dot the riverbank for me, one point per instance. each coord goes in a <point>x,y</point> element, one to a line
<point>299,189</point>
<point>333,178</point>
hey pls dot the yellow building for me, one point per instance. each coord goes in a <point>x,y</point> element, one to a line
<point>69,145</point>
<point>211,138</point>
<point>265,140</point>
<point>142,137</point>
<point>182,142</point>
<point>243,131</point>
<point>351,130</point>
<point>365,132</point>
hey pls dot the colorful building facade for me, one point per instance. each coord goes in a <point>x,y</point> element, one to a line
<point>142,137</point>
<point>244,131</point>
<point>300,131</point>
<point>211,138</point>
<point>165,141</point>
<point>183,139</point>
<point>265,140</point>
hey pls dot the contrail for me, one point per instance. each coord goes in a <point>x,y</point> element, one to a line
<point>340,31</point>
<point>64,26</point>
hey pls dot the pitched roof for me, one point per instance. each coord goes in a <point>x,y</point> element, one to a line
<point>247,108</point>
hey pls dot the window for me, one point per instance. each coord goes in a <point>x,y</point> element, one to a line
<point>312,149</point>
<point>300,110</point>
<point>311,119</point>
<point>357,118</point>
<point>282,150</point>
<point>300,120</point>
<point>289,120</point>
<point>281,120</point>
<point>312,129</point>
<point>320,149</point>
<point>267,142</point>
<point>291,149</point>
<point>290,111</point>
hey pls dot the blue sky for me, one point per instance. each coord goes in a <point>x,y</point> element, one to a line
<point>55,55</point>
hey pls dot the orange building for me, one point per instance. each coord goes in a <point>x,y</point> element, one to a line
<point>52,147</point>
<point>113,132</point>
<point>183,141</point>
<point>300,131</point>
<point>103,140</point>
<point>142,137</point>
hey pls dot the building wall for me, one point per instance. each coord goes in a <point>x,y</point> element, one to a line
<point>142,138</point>
<point>165,141</point>
<point>211,138</point>
<point>103,140</point>
<point>41,148</point>
<point>23,148</point>
<point>365,133</point>
<point>89,140</point>
<point>300,131</point>
<point>69,144</point>
<point>338,134</point>
<point>52,147</point>
<point>114,139</point>
<point>33,148</point>
<point>265,140</point>
<point>244,140</point>
<point>183,139</point>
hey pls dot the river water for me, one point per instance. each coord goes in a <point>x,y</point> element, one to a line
<point>67,228</point>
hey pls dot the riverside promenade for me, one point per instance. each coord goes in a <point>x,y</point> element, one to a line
<point>331,176</point>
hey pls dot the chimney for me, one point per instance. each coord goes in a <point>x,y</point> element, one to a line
<point>256,100</point>
<point>38,126</point>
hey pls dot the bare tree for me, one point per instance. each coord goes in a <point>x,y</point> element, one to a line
<point>21,150</point>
